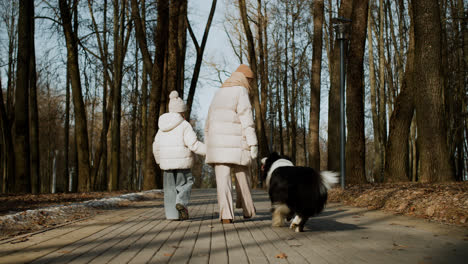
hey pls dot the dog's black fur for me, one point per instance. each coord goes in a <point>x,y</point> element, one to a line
<point>301,189</point>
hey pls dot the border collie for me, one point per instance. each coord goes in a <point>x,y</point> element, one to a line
<point>295,191</point>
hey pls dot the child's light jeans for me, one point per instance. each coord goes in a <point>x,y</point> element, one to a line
<point>177,189</point>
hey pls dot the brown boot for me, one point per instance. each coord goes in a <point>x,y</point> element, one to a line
<point>226,221</point>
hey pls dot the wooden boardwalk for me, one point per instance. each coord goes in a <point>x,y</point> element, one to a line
<point>140,234</point>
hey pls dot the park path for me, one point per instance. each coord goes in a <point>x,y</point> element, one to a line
<point>140,234</point>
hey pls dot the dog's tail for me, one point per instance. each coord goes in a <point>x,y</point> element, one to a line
<point>328,179</point>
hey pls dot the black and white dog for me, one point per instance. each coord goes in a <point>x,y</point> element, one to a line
<point>295,191</point>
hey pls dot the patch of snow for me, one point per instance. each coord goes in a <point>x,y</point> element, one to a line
<point>23,220</point>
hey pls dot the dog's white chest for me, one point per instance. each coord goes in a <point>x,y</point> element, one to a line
<point>274,166</point>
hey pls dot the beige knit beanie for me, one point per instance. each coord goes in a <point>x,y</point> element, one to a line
<point>176,104</point>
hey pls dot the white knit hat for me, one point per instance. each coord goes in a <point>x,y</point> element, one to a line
<point>176,104</point>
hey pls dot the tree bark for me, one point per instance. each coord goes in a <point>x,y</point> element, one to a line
<point>67,130</point>
<point>285,81</point>
<point>314,117</point>
<point>356,142</point>
<point>34,119</point>
<point>377,162</point>
<point>263,143</point>
<point>428,82</point>
<point>8,165</point>
<point>81,129</point>
<point>152,177</point>
<point>173,52</point>
<point>333,161</point>
<point>261,64</point>
<point>120,49</point>
<point>397,167</point>
<point>23,77</point>
<point>381,97</point>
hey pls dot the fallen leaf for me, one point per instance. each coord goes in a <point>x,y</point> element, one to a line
<point>281,256</point>
<point>167,254</point>
<point>65,251</point>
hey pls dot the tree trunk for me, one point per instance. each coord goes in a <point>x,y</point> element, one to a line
<point>263,142</point>
<point>261,64</point>
<point>8,164</point>
<point>356,142</point>
<point>182,44</point>
<point>285,80</point>
<point>397,167</point>
<point>67,130</point>
<point>144,123</point>
<point>23,77</point>
<point>314,117</point>
<point>428,82</point>
<point>34,120</point>
<point>120,49</point>
<point>81,129</point>
<point>333,160</point>
<point>381,97</point>
<point>152,177</point>
<point>173,51</point>
<point>377,162</point>
<point>198,61</point>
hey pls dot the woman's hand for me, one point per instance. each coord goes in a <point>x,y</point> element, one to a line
<point>253,152</point>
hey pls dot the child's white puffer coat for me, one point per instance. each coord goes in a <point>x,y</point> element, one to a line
<point>174,143</point>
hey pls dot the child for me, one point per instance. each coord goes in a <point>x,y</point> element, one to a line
<point>172,149</point>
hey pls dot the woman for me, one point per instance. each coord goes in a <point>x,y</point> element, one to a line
<point>231,141</point>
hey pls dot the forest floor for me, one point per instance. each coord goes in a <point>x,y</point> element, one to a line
<point>439,202</point>
<point>443,202</point>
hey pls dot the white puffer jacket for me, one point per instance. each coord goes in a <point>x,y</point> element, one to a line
<point>174,143</point>
<point>229,128</point>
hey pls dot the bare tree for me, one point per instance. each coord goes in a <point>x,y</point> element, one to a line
<point>435,158</point>
<point>156,70</point>
<point>397,167</point>
<point>81,130</point>
<point>259,116</point>
<point>333,160</point>
<point>23,82</point>
<point>314,121</point>
<point>200,49</point>
<point>356,145</point>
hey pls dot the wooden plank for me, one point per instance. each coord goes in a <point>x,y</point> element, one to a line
<point>252,249</point>
<point>154,227</point>
<point>124,240</point>
<point>41,244</point>
<point>255,227</point>
<point>155,241</point>
<point>218,249</point>
<point>66,242</point>
<point>171,244</point>
<point>183,251</point>
<point>91,244</point>
<point>201,249</point>
<point>281,245</point>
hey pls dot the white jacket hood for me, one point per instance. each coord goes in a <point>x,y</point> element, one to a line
<point>169,121</point>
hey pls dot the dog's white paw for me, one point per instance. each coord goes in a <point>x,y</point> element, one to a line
<point>295,222</point>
